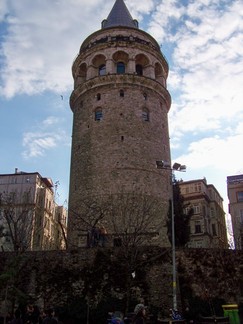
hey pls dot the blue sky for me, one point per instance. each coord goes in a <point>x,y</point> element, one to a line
<point>202,41</point>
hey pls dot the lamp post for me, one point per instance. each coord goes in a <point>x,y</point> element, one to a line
<point>181,168</point>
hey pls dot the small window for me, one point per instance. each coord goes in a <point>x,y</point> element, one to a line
<point>98,114</point>
<point>241,216</point>
<point>121,93</point>
<point>98,96</point>
<point>120,68</point>
<point>102,69</point>
<point>214,230</point>
<point>196,209</point>
<point>145,115</point>
<point>145,96</point>
<point>139,69</point>
<point>240,196</point>
<point>198,228</point>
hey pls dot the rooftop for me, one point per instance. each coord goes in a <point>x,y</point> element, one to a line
<point>119,16</point>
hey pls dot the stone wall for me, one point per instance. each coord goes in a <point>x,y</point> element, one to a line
<point>57,278</point>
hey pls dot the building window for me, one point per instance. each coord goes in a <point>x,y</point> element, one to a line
<point>145,96</point>
<point>98,96</point>
<point>121,93</point>
<point>214,229</point>
<point>139,69</point>
<point>120,68</point>
<point>240,196</point>
<point>241,216</point>
<point>98,114</point>
<point>102,69</point>
<point>196,209</point>
<point>198,229</point>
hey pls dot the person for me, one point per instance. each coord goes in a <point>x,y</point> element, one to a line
<point>140,314</point>
<point>175,315</point>
<point>94,236</point>
<point>117,318</point>
<point>188,315</point>
<point>49,318</point>
<point>17,318</point>
<point>103,235</point>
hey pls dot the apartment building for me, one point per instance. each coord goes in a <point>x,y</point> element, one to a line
<point>207,225</point>
<point>29,217</point>
<point>235,196</point>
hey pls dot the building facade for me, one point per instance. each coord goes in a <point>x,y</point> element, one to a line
<point>207,224</point>
<point>235,196</point>
<point>29,217</point>
<point>120,129</point>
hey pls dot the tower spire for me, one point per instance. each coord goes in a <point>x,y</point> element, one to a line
<point>119,16</point>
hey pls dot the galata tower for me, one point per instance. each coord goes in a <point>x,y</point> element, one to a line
<point>120,129</point>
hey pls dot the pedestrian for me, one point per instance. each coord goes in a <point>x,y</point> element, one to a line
<point>17,318</point>
<point>140,314</point>
<point>95,236</point>
<point>188,315</point>
<point>49,318</point>
<point>103,236</point>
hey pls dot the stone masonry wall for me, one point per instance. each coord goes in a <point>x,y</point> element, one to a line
<point>55,278</point>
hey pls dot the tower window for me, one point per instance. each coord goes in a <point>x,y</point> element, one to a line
<point>214,230</point>
<point>145,115</point>
<point>98,114</point>
<point>145,96</point>
<point>120,68</point>
<point>98,96</point>
<point>139,69</point>
<point>121,93</point>
<point>102,69</point>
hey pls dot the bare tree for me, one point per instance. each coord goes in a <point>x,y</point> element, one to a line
<point>17,221</point>
<point>89,215</point>
<point>132,220</point>
<point>136,222</point>
<point>135,218</point>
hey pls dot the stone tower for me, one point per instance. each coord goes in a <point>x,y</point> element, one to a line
<point>120,128</point>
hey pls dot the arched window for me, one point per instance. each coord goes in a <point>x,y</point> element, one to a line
<point>102,69</point>
<point>120,68</point>
<point>145,115</point>
<point>98,96</point>
<point>98,114</point>
<point>139,69</point>
<point>121,93</point>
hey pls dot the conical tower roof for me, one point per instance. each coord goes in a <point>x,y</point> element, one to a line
<point>119,16</point>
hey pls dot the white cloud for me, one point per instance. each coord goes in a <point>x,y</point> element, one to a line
<point>3,9</point>
<point>36,144</point>
<point>42,41</point>
<point>219,153</point>
<point>204,38</point>
<point>206,74</point>
<point>44,138</point>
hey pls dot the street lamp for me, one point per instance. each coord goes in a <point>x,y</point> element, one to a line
<point>182,168</point>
